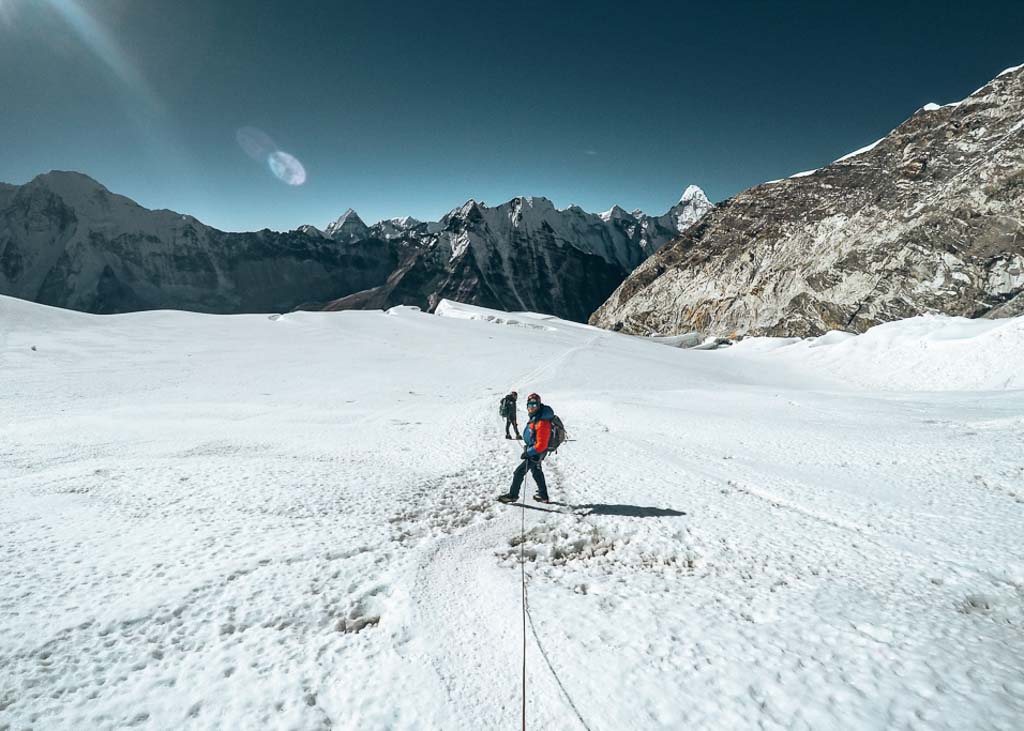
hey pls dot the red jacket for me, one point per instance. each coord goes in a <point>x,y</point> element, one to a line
<point>537,433</point>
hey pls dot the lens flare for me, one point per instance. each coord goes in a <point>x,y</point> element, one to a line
<point>7,13</point>
<point>255,143</point>
<point>286,168</point>
<point>258,145</point>
<point>105,46</point>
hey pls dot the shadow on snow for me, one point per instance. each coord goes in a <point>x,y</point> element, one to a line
<point>631,511</point>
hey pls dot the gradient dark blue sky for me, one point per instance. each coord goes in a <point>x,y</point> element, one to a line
<point>413,107</point>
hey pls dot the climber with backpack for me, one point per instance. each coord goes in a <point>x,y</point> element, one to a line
<point>543,434</point>
<point>508,410</point>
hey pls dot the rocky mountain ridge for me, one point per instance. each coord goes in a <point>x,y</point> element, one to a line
<point>65,240</point>
<point>521,255</point>
<point>929,219</point>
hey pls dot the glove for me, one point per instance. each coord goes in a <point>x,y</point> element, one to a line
<point>523,455</point>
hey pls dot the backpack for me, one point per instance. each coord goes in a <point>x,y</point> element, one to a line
<point>503,409</point>
<point>557,437</point>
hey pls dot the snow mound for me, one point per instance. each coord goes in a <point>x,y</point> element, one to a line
<point>403,309</point>
<point>20,315</point>
<point>927,353</point>
<point>459,311</point>
<point>686,340</point>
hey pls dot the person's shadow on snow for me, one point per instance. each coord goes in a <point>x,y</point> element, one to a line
<point>631,511</point>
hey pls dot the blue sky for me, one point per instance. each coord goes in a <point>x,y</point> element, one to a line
<point>397,108</point>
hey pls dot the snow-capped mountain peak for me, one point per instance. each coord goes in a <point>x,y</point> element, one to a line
<point>68,182</point>
<point>615,212</point>
<point>692,205</point>
<point>310,230</point>
<point>693,194</point>
<point>533,201</point>
<point>348,216</point>
<point>348,227</point>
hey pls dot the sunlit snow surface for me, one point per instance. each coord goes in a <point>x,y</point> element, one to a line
<point>289,522</point>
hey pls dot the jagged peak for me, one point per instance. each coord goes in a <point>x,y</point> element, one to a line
<point>348,216</point>
<point>349,226</point>
<point>693,193</point>
<point>616,211</point>
<point>532,201</point>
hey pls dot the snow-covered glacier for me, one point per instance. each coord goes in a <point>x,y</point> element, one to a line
<point>288,521</point>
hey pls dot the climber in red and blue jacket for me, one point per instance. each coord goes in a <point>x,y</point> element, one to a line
<point>536,436</point>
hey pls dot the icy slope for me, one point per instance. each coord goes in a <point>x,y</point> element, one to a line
<point>288,522</point>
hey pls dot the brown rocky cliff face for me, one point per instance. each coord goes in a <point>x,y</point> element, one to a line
<point>929,220</point>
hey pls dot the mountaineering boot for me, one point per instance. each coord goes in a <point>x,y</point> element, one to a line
<point>507,436</point>
<point>539,499</point>
<point>506,498</point>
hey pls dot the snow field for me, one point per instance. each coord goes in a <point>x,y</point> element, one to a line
<point>928,353</point>
<point>289,522</point>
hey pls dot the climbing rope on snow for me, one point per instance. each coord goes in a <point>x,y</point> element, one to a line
<point>547,661</point>
<point>522,571</point>
<point>533,629</point>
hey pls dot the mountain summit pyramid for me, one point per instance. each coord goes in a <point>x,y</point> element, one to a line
<point>348,227</point>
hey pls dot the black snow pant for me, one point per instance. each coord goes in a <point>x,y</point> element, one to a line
<point>511,421</point>
<point>533,464</point>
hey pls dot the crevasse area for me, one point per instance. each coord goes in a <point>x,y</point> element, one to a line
<point>289,522</point>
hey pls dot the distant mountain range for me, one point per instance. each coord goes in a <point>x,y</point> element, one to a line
<point>65,240</point>
<point>521,255</point>
<point>928,219</point>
